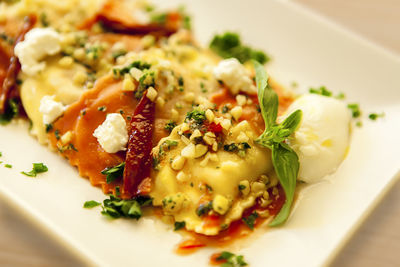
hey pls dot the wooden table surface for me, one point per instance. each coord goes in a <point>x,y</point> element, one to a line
<point>376,243</point>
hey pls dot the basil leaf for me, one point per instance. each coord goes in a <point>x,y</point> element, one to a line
<point>267,97</point>
<point>286,164</point>
<point>291,122</point>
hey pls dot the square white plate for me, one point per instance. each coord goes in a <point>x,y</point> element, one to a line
<point>305,49</point>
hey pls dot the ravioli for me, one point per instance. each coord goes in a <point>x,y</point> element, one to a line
<point>219,151</point>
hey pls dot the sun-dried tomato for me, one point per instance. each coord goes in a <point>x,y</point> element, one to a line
<point>138,157</point>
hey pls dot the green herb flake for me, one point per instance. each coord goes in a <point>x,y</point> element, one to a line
<point>241,187</point>
<point>12,111</point>
<point>179,225</point>
<point>375,116</point>
<point>197,116</point>
<point>355,110</point>
<point>229,259</point>
<point>113,173</point>
<point>91,204</point>
<point>102,108</point>
<point>8,166</point>
<point>229,45</point>
<point>321,91</point>
<point>170,125</point>
<point>160,18</point>
<point>43,20</point>
<point>225,109</point>
<point>250,220</point>
<point>37,168</point>
<point>49,127</point>
<point>115,207</point>
<point>204,208</point>
<point>57,134</point>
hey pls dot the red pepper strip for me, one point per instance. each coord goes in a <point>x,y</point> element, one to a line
<point>14,66</point>
<point>138,159</point>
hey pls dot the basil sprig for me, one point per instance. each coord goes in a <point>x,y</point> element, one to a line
<point>284,159</point>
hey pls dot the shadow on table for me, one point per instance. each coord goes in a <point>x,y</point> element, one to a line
<point>377,241</point>
<point>23,244</point>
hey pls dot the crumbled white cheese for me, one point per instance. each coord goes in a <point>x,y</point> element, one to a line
<point>112,134</point>
<point>235,76</point>
<point>38,43</point>
<point>50,109</point>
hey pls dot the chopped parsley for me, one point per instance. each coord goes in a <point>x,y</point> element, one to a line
<point>49,127</point>
<point>118,53</point>
<point>241,187</point>
<point>113,173</point>
<point>186,19</point>
<point>43,20</point>
<point>167,145</point>
<point>229,259</point>
<point>115,207</point>
<point>6,38</point>
<point>37,168</point>
<point>159,18</point>
<point>250,220</point>
<point>57,134</point>
<point>225,109</point>
<point>239,148</point>
<point>91,204</point>
<point>156,163</point>
<point>355,110</point>
<point>146,81</point>
<point>170,125</point>
<point>8,166</point>
<point>374,116</point>
<point>12,111</point>
<point>321,91</point>
<point>204,208</point>
<point>119,72</point>
<point>197,116</point>
<point>102,108</point>
<point>229,45</point>
<point>179,225</point>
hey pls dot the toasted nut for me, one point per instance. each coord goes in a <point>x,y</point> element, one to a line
<point>66,138</point>
<point>127,84</point>
<point>151,94</point>
<point>241,100</point>
<point>177,163</point>
<point>258,188</point>
<point>196,134</point>
<point>66,62</point>
<point>210,115</point>
<point>220,204</point>
<point>200,150</point>
<point>189,151</point>
<point>236,112</point>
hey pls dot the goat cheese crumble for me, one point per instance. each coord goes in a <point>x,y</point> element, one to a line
<point>38,44</point>
<point>234,75</point>
<point>112,134</point>
<point>50,109</point>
